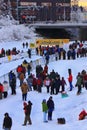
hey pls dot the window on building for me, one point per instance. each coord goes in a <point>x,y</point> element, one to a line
<point>28,3</point>
<point>48,4</point>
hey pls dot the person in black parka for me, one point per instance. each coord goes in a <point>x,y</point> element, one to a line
<point>7,122</point>
<point>50,104</point>
<point>13,84</point>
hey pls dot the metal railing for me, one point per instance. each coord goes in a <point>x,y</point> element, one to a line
<point>40,61</point>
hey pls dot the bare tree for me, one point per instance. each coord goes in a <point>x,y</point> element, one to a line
<point>5,8</point>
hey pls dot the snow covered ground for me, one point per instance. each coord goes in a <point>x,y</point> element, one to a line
<point>69,107</point>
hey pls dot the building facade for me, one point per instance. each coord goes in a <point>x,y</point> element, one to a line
<point>40,10</point>
<point>74,2</point>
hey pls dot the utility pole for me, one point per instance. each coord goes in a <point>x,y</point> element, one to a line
<point>9,9</point>
<point>17,9</point>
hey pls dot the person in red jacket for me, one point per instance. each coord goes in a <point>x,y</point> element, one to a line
<point>46,69</point>
<point>19,70</point>
<point>28,113</point>
<point>70,79</point>
<point>1,88</point>
<point>85,80</point>
<point>39,84</point>
<point>25,104</point>
<point>34,83</point>
<point>82,114</point>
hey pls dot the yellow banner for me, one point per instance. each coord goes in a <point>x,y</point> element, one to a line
<point>51,42</point>
<point>32,45</point>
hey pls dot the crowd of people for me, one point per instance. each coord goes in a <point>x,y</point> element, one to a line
<point>53,82</point>
<point>18,53</point>
<point>9,52</point>
<point>74,51</point>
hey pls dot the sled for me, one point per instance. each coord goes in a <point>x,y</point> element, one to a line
<point>64,95</point>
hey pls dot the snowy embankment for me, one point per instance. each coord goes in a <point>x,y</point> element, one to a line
<point>11,30</point>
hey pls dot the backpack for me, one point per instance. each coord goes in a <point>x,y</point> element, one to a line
<point>61,120</point>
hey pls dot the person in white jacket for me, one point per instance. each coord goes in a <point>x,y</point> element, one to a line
<point>47,83</point>
<point>5,89</point>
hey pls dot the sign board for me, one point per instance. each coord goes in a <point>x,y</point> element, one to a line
<point>51,42</point>
<point>32,45</point>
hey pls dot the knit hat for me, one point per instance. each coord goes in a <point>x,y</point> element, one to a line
<point>44,100</point>
<point>24,103</point>
<point>6,114</point>
<point>29,102</point>
<point>50,97</point>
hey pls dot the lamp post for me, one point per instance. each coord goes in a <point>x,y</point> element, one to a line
<point>9,8</point>
<point>64,11</point>
<point>64,14</point>
<point>17,10</point>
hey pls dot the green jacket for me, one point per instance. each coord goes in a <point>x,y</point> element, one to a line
<point>79,81</point>
<point>44,107</point>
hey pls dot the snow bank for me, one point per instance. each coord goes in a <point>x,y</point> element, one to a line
<point>11,30</point>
